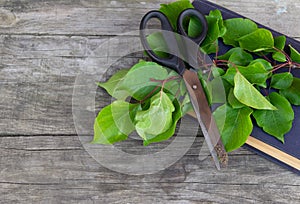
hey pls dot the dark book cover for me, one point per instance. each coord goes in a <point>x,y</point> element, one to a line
<point>292,139</point>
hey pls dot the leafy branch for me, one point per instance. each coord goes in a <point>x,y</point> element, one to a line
<point>256,73</point>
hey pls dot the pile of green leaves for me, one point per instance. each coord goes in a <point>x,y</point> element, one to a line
<point>256,72</point>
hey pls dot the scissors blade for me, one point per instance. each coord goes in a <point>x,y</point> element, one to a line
<point>205,118</point>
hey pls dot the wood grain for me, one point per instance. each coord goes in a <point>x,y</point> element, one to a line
<point>44,45</point>
<point>57,168</point>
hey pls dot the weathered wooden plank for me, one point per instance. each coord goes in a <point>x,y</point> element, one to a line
<point>72,142</point>
<point>115,17</point>
<point>148,193</point>
<point>41,168</point>
<point>66,152</point>
<point>38,75</point>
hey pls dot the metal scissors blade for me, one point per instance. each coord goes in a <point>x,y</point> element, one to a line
<point>205,118</point>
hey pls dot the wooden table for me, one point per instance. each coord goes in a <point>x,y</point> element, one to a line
<point>44,45</point>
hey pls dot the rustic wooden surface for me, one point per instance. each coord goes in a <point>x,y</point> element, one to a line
<point>43,46</point>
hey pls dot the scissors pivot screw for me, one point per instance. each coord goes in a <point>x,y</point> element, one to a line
<point>194,87</point>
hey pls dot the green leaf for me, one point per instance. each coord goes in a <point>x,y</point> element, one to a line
<point>282,80</point>
<point>236,28</point>
<point>237,56</point>
<point>215,30</point>
<point>276,122</point>
<point>217,72</point>
<point>112,85</point>
<point>218,15</point>
<point>279,42</point>
<point>186,104</point>
<point>182,88</point>
<point>176,115</point>
<point>268,66</point>
<point>233,101</point>
<point>172,86</point>
<point>279,56</point>
<point>295,55</point>
<point>139,80</point>
<point>215,90</point>
<point>293,92</point>
<point>235,127</point>
<point>158,44</point>
<point>157,119</point>
<point>255,74</point>
<point>114,122</point>
<point>248,95</point>
<point>259,40</point>
<point>195,27</point>
<point>173,10</point>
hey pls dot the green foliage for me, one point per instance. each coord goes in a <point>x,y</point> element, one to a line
<point>114,122</point>
<point>216,29</point>
<point>276,122</point>
<point>267,65</point>
<point>293,92</point>
<point>254,73</point>
<point>176,115</point>
<point>295,55</point>
<point>279,56</point>
<point>257,41</point>
<point>240,76</point>
<point>282,80</point>
<point>139,81</point>
<point>248,95</point>
<point>156,119</point>
<point>233,101</point>
<point>173,10</point>
<point>236,127</point>
<point>279,42</point>
<point>237,56</point>
<point>111,86</point>
<point>158,44</point>
<point>237,28</point>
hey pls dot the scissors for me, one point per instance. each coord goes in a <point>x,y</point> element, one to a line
<point>188,73</point>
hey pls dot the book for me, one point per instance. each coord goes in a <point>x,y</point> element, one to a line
<point>286,154</point>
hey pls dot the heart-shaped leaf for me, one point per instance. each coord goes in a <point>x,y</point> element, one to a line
<point>139,81</point>
<point>282,80</point>
<point>235,126</point>
<point>237,56</point>
<point>259,40</point>
<point>267,65</point>
<point>157,119</point>
<point>295,55</point>
<point>236,28</point>
<point>215,30</point>
<point>279,56</point>
<point>176,115</point>
<point>114,122</point>
<point>276,122</point>
<point>111,86</point>
<point>255,74</point>
<point>293,92</point>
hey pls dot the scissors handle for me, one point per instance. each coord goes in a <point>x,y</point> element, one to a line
<point>189,13</point>
<point>169,36</point>
<point>172,61</point>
